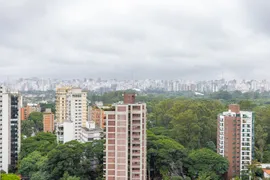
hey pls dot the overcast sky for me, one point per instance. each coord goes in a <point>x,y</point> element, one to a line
<point>166,39</point>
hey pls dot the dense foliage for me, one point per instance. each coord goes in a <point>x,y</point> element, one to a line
<point>42,159</point>
<point>45,106</point>
<point>9,177</point>
<point>33,124</point>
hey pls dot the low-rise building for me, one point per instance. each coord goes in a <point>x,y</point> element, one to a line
<point>26,111</point>
<point>91,132</point>
<point>266,170</point>
<point>48,121</point>
<point>60,132</point>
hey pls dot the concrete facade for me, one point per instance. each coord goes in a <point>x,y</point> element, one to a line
<point>126,141</point>
<point>10,129</point>
<point>235,139</point>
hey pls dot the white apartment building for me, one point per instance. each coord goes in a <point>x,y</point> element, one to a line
<point>10,129</point>
<point>91,132</point>
<point>74,115</point>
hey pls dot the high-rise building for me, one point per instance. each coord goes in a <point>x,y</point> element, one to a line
<point>71,113</point>
<point>10,129</point>
<point>60,104</point>
<point>26,111</point>
<point>235,139</point>
<point>126,140</point>
<point>48,121</point>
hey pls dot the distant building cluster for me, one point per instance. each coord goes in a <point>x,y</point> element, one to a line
<point>99,85</point>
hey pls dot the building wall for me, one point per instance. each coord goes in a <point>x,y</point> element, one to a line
<point>69,130</point>
<point>15,120</point>
<point>98,116</point>
<point>247,139</point>
<point>77,110</point>
<point>126,142</point>
<point>48,122</point>
<point>10,131</point>
<point>23,114</point>
<point>6,134</point>
<point>60,104</point>
<point>26,111</point>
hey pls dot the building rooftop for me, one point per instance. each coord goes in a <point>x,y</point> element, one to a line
<point>96,129</point>
<point>267,171</point>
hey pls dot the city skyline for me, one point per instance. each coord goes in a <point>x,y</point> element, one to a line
<point>190,39</point>
<point>146,85</point>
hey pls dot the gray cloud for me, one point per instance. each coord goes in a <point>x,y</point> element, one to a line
<point>148,39</point>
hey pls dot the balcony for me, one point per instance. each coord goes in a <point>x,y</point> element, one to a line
<point>136,153</point>
<point>136,129</point>
<point>136,122</point>
<point>135,163</point>
<point>136,142</point>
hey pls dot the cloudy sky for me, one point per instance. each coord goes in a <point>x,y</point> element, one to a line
<point>164,39</point>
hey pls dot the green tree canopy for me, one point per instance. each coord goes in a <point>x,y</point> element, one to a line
<point>42,142</point>
<point>166,157</point>
<point>9,177</point>
<point>65,158</point>
<point>205,161</point>
<point>31,164</point>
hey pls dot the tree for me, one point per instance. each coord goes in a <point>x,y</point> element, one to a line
<point>33,124</point>
<point>92,161</point>
<point>211,145</point>
<point>263,119</point>
<point>45,106</point>
<point>31,164</point>
<point>246,105</point>
<point>255,172</point>
<point>261,137</point>
<point>40,175</point>
<point>9,177</point>
<point>65,158</point>
<point>37,118</point>
<point>266,154</point>
<point>205,161</point>
<point>182,125</point>
<point>27,127</point>
<point>67,177</point>
<point>222,95</point>
<point>42,142</point>
<point>166,157</point>
<point>207,176</point>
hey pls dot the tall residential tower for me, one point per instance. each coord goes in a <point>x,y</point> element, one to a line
<point>71,113</point>
<point>60,104</point>
<point>10,129</point>
<point>235,139</point>
<point>126,140</point>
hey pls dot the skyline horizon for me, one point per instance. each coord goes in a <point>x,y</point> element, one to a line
<point>127,79</point>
